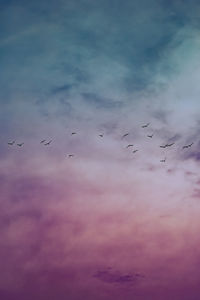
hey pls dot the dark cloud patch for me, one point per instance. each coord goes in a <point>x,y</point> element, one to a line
<point>161,116</point>
<point>191,154</point>
<point>50,42</point>
<point>101,102</point>
<point>110,276</point>
<point>33,213</point>
<point>62,89</point>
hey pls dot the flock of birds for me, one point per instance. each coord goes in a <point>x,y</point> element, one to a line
<point>47,143</point>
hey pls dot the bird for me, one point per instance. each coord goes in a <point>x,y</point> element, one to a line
<point>163,160</point>
<point>48,143</point>
<point>73,133</point>
<point>101,135</point>
<point>11,143</point>
<point>134,151</point>
<point>20,144</point>
<point>150,136</point>
<point>42,141</point>
<point>169,145</point>
<point>125,135</point>
<point>146,125</point>
<point>130,145</point>
<point>187,146</point>
<point>70,155</point>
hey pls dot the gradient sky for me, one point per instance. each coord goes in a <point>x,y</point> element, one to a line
<point>107,223</point>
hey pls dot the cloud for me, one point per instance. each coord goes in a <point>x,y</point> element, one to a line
<point>99,67</point>
<point>112,276</point>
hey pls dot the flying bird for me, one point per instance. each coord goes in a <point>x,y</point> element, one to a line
<point>169,145</point>
<point>150,136</point>
<point>163,160</point>
<point>163,146</point>
<point>11,143</point>
<point>20,144</point>
<point>187,146</point>
<point>48,143</point>
<point>70,155</point>
<point>125,135</point>
<point>130,145</point>
<point>134,151</point>
<point>146,125</point>
<point>42,141</point>
<point>101,135</point>
<point>73,133</point>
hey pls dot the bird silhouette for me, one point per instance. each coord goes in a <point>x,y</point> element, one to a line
<point>125,135</point>
<point>169,145</point>
<point>134,151</point>
<point>70,155</point>
<point>73,133</point>
<point>150,136</point>
<point>11,143</point>
<point>163,160</point>
<point>48,143</point>
<point>101,135</point>
<point>146,125</point>
<point>20,144</point>
<point>130,145</point>
<point>163,146</point>
<point>188,146</point>
<point>42,141</point>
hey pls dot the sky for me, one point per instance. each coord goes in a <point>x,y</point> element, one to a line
<point>106,223</point>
